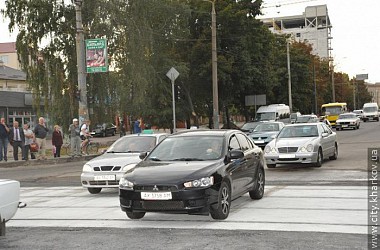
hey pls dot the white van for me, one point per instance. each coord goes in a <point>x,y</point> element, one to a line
<point>273,112</point>
<point>370,112</point>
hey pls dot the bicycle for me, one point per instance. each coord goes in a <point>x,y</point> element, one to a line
<point>91,147</point>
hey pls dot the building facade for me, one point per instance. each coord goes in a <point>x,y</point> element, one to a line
<point>312,27</point>
<point>16,101</point>
<point>374,90</point>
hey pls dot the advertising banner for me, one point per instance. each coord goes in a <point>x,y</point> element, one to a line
<point>96,55</point>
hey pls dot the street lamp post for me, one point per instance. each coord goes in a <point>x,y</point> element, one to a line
<point>214,67</point>
<point>82,87</point>
<point>289,78</point>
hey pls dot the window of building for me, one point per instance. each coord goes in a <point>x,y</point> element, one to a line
<point>4,59</point>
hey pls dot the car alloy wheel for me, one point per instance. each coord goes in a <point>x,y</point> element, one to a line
<point>222,209</point>
<point>258,191</point>
<point>135,215</point>
<point>94,190</point>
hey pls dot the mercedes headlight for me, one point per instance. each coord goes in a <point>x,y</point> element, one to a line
<point>309,148</point>
<point>87,168</point>
<point>202,182</point>
<point>128,167</point>
<point>269,150</point>
<point>125,184</point>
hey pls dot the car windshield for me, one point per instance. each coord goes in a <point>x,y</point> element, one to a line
<point>370,109</point>
<point>188,148</point>
<point>133,144</point>
<point>249,126</point>
<point>299,131</point>
<point>302,119</point>
<point>347,116</point>
<point>267,127</point>
<point>265,116</point>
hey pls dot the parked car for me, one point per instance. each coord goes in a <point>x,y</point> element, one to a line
<point>106,170</point>
<point>359,113</point>
<point>309,143</point>
<point>104,130</point>
<point>307,119</point>
<point>9,201</point>
<point>347,120</point>
<point>265,132</point>
<point>194,172</point>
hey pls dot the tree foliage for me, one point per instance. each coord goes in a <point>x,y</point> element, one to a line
<point>148,37</point>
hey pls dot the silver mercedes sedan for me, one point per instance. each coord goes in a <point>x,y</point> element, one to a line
<point>106,170</point>
<point>309,143</point>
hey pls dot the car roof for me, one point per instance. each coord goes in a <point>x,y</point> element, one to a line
<point>310,115</point>
<point>303,124</point>
<point>146,135</point>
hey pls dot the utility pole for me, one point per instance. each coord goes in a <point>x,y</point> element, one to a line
<point>289,78</point>
<point>315,89</point>
<point>215,97</point>
<point>82,87</point>
<point>332,81</point>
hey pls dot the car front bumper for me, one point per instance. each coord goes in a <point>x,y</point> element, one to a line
<point>101,179</point>
<point>194,201</point>
<point>291,158</point>
<point>343,126</point>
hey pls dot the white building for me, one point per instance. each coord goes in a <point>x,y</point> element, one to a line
<point>313,27</point>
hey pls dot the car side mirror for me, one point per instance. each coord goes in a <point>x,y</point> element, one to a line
<point>324,134</point>
<point>235,154</point>
<point>143,155</point>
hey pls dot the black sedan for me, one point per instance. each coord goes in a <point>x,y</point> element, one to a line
<point>194,172</point>
<point>104,129</point>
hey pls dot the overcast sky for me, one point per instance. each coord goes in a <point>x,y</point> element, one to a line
<point>355,31</point>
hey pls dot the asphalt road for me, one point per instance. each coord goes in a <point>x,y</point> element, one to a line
<point>174,232</point>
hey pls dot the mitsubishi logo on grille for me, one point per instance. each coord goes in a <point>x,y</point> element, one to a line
<point>155,188</point>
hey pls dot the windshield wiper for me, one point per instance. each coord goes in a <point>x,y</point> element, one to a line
<point>187,159</point>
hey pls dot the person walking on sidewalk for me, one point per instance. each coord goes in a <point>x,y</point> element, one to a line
<point>4,131</point>
<point>40,132</point>
<point>57,141</point>
<point>29,138</point>
<point>17,140</point>
<point>75,140</point>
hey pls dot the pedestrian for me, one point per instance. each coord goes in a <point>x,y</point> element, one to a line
<point>57,141</point>
<point>29,138</point>
<point>40,132</point>
<point>84,135</point>
<point>17,140</point>
<point>4,131</point>
<point>75,140</point>
<point>137,126</point>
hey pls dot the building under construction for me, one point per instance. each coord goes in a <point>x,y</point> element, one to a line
<point>313,27</point>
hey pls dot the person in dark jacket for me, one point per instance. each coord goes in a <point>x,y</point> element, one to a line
<point>17,140</point>
<point>40,132</point>
<point>4,131</point>
<point>57,141</point>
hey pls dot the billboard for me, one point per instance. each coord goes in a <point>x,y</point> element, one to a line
<point>96,55</point>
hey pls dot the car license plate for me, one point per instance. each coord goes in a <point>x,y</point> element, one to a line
<point>287,156</point>
<point>156,195</point>
<point>344,126</point>
<point>259,142</point>
<point>105,177</point>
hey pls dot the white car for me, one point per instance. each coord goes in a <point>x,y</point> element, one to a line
<point>106,170</point>
<point>9,201</point>
<point>347,120</point>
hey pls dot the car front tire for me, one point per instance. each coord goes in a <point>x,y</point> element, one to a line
<point>94,190</point>
<point>318,164</point>
<point>258,191</point>
<point>135,215</point>
<point>221,210</point>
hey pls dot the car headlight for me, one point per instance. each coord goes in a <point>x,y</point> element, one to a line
<point>125,184</point>
<point>268,150</point>
<point>87,168</point>
<point>203,182</point>
<point>128,167</point>
<point>308,148</point>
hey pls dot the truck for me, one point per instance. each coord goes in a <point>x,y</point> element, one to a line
<point>273,112</point>
<point>370,112</point>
